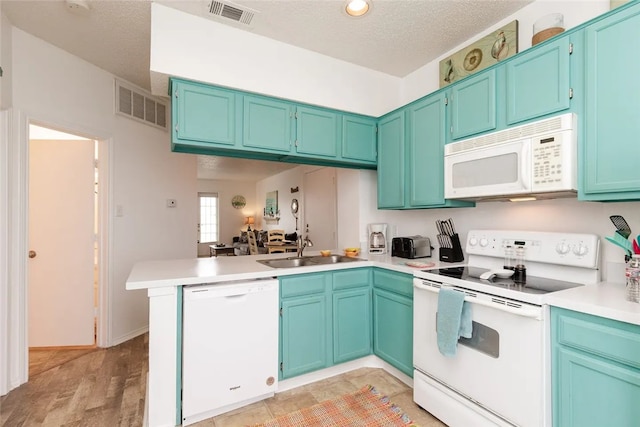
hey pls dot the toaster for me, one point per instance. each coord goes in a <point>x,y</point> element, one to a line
<point>411,247</point>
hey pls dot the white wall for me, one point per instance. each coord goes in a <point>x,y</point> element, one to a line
<point>231,220</point>
<point>215,53</point>
<point>5,62</point>
<point>56,88</point>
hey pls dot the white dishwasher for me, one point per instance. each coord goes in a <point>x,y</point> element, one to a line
<point>229,346</point>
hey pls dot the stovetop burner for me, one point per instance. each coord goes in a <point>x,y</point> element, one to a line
<point>532,284</point>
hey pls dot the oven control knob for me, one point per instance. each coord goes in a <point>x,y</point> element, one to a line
<point>473,241</point>
<point>580,249</point>
<point>484,242</point>
<point>562,248</point>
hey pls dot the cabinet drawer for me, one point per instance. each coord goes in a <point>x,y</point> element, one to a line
<point>607,338</point>
<point>304,284</point>
<point>399,283</point>
<point>351,278</point>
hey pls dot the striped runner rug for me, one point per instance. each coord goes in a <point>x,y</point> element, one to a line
<point>366,407</point>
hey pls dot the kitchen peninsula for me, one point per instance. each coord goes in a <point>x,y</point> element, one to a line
<point>164,281</point>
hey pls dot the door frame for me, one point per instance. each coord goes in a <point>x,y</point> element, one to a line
<point>18,236</point>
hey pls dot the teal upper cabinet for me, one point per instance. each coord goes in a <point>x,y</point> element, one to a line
<point>411,161</point>
<point>391,170</point>
<point>317,132</point>
<point>538,81</point>
<point>609,162</point>
<point>426,121</point>
<point>595,370</point>
<point>359,138</point>
<point>210,120</point>
<point>473,105</point>
<point>204,114</point>
<point>267,124</point>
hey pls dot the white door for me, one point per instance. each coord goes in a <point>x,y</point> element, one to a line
<point>320,208</point>
<point>61,236</point>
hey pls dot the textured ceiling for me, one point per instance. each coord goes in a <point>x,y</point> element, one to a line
<point>396,37</point>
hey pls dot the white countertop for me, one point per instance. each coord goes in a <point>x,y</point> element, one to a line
<point>604,300</point>
<point>179,272</point>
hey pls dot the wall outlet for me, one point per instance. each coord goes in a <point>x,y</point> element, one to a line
<point>172,203</point>
<point>119,210</point>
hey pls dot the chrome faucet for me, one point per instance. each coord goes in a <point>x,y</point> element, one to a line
<point>303,243</point>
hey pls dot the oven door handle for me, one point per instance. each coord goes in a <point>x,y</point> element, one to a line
<point>534,313</point>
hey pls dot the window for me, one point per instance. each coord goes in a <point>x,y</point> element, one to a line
<point>208,225</point>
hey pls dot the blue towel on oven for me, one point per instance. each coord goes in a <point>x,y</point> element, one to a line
<point>453,321</point>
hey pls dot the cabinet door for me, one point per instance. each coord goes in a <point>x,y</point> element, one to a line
<point>316,132</point>
<point>473,105</point>
<point>538,81</point>
<point>359,138</point>
<point>391,174</point>
<point>611,143</point>
<point>594,392</point>
<point>393,329</point>
<point>267,124</point>
<point>425,151</point>
<point>351,324</point>
<point>304,335</point>
<point>203,114</point>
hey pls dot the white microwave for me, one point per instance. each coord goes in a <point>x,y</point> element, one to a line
<point>537,159</point>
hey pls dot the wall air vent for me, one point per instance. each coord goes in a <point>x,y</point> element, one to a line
<point>230,12</point>
<point>139,105</point>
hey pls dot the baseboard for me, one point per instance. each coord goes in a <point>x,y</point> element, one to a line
<point>371,361</point>
<point>64,347</point>
<point>129,336</point>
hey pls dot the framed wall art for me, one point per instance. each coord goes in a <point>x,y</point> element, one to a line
<point>479,55</point>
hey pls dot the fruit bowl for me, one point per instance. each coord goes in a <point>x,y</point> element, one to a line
<point>352,252</point>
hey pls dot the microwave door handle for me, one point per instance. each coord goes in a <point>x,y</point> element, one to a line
<point>525,165</point>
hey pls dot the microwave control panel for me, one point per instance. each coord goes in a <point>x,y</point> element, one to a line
<point>552,160</point>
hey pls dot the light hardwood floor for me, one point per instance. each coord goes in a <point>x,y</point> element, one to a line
<point>106,387</point>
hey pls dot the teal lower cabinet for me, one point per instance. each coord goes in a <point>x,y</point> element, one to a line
<point>304,323</point>
<point>595,371</point>
<point>351,314</point>
<point>393,319</point>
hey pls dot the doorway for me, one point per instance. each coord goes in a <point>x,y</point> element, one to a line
<point>63,271</point>
<point>320,208</point>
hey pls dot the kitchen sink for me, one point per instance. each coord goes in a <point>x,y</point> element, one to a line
<point>306,261</point>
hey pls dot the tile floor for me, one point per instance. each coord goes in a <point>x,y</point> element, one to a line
<point>309,395</point>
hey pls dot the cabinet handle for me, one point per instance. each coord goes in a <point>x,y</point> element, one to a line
<point>570,48</point>
<point>176,93</point>
<point>570,93</point>
<point>32,254</point>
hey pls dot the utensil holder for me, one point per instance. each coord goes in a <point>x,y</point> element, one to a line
<point>453,254</point>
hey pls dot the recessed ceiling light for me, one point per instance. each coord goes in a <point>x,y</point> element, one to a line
<point>357,7</point>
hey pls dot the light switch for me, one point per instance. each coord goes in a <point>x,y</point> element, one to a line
<point>119,210</point>
<point>172,203</point>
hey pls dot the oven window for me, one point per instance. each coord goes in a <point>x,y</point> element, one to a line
<point>483,338</point>
<point>501,169</point>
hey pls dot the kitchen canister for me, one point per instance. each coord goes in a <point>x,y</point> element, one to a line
<point>632,273</point>
<point>547,27</point>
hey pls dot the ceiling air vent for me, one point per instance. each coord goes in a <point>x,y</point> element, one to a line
<point>139,105</point>
<point>231,11</point>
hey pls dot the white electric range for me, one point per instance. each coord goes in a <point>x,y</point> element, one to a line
<point>501,375</point>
